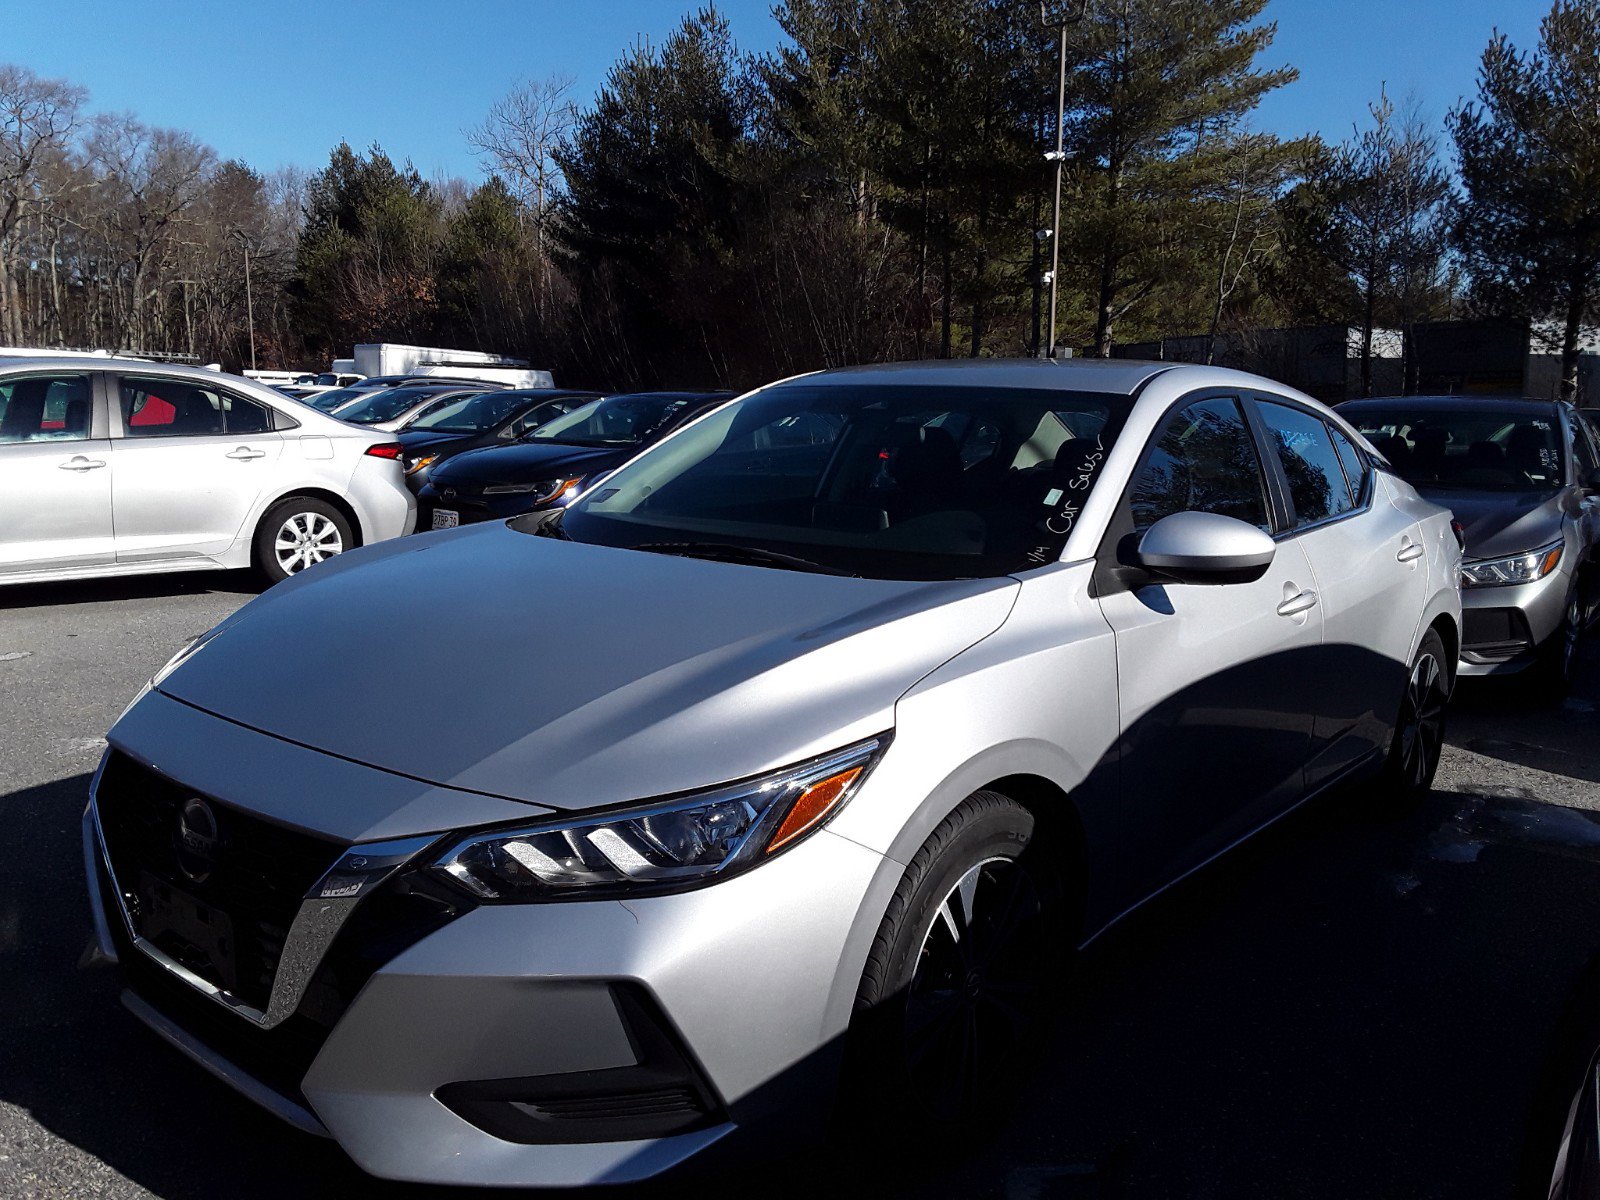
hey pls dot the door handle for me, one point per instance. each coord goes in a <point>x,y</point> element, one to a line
<point>1411,551</point>
<point>79,463</point>
<point>245,454</point>
<point>1298,603</point>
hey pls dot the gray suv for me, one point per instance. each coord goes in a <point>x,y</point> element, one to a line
<point>790,762</point>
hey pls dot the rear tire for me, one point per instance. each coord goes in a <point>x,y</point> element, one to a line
<point>298,532</point>
<point>1418,740</point>
<point>965,970</point>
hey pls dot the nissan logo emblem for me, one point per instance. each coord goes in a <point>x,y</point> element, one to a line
<point>197,840</point>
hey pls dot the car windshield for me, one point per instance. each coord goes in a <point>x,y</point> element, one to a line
<point>328,401</point>
<point>373,408</point>
<point>891,482</point>
<point>475,414</point>
<point>614,421</point>
<point>1478,449</point>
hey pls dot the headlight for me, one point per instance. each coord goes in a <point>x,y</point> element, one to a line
<point>695,839</point>
<point>413,465</point>
<point>542,492</point>
<point>1519,568</point>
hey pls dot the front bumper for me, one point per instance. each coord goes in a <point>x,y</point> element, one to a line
<point>724,1005</point>
<point>1503,628</point>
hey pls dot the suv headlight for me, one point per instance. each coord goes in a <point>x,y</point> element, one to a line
<point>1519,568</point>
<point>415,464</point>
<point>541,492</point>
<point>696,839</point>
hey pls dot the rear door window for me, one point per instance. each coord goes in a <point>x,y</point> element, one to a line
<point>178,408</point>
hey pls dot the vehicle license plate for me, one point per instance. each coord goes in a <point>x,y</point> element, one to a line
<point>446,518</point>
<point>192,931</point>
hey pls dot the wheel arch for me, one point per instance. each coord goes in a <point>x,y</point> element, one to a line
<point>313,492</point>
<point>1064,839</point>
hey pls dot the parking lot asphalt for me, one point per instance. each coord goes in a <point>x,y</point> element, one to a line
<point>1357,1004</point>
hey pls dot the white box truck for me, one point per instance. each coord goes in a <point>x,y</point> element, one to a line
<point>393,358</point>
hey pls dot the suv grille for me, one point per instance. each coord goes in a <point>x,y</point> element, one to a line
<point>212,886</point>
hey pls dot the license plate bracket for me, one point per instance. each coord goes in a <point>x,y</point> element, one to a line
<point>184,927</point>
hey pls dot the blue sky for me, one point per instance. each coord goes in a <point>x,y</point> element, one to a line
<point>282,81</point>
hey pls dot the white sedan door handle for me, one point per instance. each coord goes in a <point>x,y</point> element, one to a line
<point>79,463</point>
<point>245,454</point>
<point>1411,551</point>
<point>1298,603</point>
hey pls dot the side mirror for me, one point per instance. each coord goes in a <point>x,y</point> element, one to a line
<point>1198,547</point>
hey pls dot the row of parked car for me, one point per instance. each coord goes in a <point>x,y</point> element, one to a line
<point>170,468</point>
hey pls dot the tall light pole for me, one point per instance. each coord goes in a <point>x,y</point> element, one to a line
<point>249,301</point>
<point>1068,13</point>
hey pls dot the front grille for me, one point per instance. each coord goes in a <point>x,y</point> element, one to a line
<point>221,905</point>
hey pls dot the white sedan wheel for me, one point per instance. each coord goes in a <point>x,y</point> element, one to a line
<point>304,540</point>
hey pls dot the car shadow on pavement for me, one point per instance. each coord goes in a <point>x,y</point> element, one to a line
<point>128,587</point>
<point>1357,1003</point>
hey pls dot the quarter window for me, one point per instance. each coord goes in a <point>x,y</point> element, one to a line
<point>1317,486</point>
<point>45,408</point>
<point>170,408</point>
<point>1204,460</point>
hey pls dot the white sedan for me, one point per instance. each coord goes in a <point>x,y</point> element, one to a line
<point>125,467</point>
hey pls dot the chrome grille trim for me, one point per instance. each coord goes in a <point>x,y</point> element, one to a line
<point>322,913</point>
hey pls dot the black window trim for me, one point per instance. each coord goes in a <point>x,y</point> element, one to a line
<point>1115,570</point>
<point>277,420</point>
<point>1280,479</point>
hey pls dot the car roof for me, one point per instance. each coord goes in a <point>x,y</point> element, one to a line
<point>1447,403</point>
<point>1121,376</point>
<point>700,395</point>
<point>539,394</point>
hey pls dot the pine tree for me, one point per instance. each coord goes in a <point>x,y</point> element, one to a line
<point>1158,100</point>
<point>1529,227</point>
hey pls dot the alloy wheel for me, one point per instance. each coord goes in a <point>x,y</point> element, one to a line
<point>306,539</point>
<point>975,996</point>
<point>1422,722</point>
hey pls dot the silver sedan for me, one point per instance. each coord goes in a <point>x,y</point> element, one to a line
<point>788,765</point>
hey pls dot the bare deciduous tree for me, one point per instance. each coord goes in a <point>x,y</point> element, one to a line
<point>37,119</point>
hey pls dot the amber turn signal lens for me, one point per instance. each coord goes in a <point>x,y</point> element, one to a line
<point>812,805</point>
<point>1550,561</point>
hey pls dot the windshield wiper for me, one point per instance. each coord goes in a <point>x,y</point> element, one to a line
<point>753,555</point>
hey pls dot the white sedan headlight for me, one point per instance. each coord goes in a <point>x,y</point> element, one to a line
<point>1518,568</point>
<point>696,839</point>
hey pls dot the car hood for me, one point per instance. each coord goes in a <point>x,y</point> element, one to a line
<point>1499,524</point>
<point>576,676</point>
<point>527,462</point>
<point>424,438</point>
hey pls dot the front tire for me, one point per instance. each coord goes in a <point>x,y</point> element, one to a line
<point>296,533</point>
<point>1557,666</point>
<point>1418,740</point>
<point>965,969</point>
